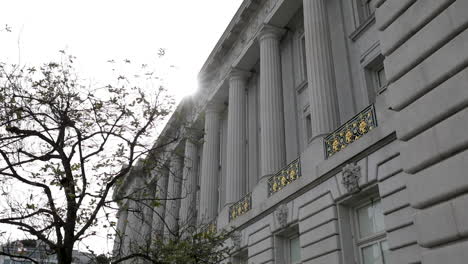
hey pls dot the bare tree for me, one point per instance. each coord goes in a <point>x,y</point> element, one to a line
<point>181,242</point>
<point>65,146</point>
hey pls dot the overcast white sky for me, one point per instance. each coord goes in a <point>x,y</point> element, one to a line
<point>98,30</point>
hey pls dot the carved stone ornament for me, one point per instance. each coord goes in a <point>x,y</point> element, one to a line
<point>350,175</point>
<point>236,239</point>
<point>281,214</point>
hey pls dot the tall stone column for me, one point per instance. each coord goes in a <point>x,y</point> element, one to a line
<point>132,229</point>
<point>236,137</point>
<point>210,165</point>
<point>147,220</point>
<point>160,197</point>
<point>173,196</point>
<point>273,152</point>
<point>320,72</point>
<point>189,186</point>
<point>120,236</point>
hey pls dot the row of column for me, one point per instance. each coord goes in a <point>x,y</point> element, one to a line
<point>323,108</point>
<point>324,115</point>
<point>160,208</point>
<point>177,195</point>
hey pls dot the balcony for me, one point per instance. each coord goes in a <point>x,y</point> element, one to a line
<point>240,207</point>
<point>284,177</point>
<point>351,131</point>
<point>209,228</point>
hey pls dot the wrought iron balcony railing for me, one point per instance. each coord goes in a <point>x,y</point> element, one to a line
<point>284,177</point>
<point>351,131</point>
<point>240,207</point>
<point>210,228</point>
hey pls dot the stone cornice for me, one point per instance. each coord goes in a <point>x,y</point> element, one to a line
<point>242,15</point>
<point>220,61</point>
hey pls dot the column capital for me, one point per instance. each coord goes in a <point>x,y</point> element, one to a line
<point>268,31</point>
<point>237,74</point>
<point>214,106</point>
<point>193,134</point>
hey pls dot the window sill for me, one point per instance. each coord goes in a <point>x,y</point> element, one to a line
<point>363,27</point>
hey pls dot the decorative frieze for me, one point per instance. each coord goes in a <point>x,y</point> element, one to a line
<point>284,177</point>
<point>240,207</point>
<point>351,131</point>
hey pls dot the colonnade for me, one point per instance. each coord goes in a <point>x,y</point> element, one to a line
<point>324,118</point>
<point>322,98</point>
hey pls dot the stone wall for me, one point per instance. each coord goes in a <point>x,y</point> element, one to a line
<point>426,49</point>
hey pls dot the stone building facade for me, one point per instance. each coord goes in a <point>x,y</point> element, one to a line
<point>327,131</point>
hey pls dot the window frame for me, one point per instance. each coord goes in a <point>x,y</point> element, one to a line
<point>361,243</point>
<point>306,134</point>
<point>303,56</point>
<point>347,220</point>
<point>371,243</point>
<point>241,257</point>
<point>371,67</point>
<point>300,60</point>
<point>362,12</point>
<point>282,242</point>
<point>361,24</point>
<point>289,257</point>
<point>380,88</point>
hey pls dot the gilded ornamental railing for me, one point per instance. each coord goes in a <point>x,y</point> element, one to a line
<point>351,131</point>
<point>240,207</point>
<point>209,228</point>
<point>284,177</point>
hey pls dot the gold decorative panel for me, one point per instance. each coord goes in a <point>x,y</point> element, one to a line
<point>284,177</point>
<point>209,229</point>
<point>240,207</point>
<point>351,131</point>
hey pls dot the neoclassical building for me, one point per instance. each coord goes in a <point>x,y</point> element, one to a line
<point>325,131</point>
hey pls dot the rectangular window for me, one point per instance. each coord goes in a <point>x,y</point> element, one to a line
<point>366,9</point>
<point>287,246</point>
<point>308,125</point>
<point>241,258</point>
<point>381,79</point>
<point>303,58</point>
<point>370,234</point>
<point>294,250</point>
<point>376,80</point>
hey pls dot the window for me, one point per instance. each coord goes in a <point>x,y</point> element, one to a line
<point>294,250</point>
<point>303,57</point>
<point>376,80</point>
<point>288,246</point>
<point>369,233</point>
<point>365,9</point>
<point>241,258</point>
<point>380,79</point>
<point>308,126</point>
